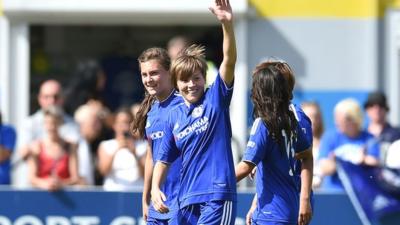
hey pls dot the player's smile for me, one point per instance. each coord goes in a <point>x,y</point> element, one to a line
<point>192,89</point>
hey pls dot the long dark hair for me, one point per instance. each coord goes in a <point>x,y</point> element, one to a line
<point>139,121</point>
<point>271,94</point>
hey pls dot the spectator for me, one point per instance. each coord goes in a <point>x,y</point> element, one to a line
<point>377,108</point>
<point>50,94</point>
<point>87,84</point>
<point>91,119</point>
<point>393,156</point>
<point>121,159</point>
<point>176,45</point>
<point>179,43</point>
<point>53,162</point>
<point>7,144</point>
<point>348,141</point>
<point>313,111</point>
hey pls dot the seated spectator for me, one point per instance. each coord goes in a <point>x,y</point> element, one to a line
<point>7,144</point>
<point>121,159</point>
<point>348,142</point>
<point>53,162</point>
<point>313,111</point>
<point>377,108</point>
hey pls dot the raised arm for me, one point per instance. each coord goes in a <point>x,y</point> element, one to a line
<point>223,11</point>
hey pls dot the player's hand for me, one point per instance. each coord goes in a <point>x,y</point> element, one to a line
<point>158,198</point>
<point>305,213</point>
<point>250,214</point>
<point>51,184</point>
<point>222,10</point>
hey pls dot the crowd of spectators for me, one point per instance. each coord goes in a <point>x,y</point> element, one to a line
<point>94,147</point>
<point>56,150</point>
<point>376,145</point>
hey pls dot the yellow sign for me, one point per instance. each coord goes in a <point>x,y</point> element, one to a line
<point>1,7</point>
<point>323,8</point>
<point>395,4</point>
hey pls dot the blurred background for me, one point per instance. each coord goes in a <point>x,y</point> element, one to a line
<point>338,49</point>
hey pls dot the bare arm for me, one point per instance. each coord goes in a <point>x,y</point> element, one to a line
<point>105,160</point>
<point>371,161</point>
<point>305,212</point>
<point>157,197</point>
<point>50,183</point>
<point>327,166</point>
<point>141,164</point>
<point>5,153</point>
<point>243,169</point>
<point>73,166</point>
<point>251,210</point>
<point>148,173</point>
<point>223,11</point>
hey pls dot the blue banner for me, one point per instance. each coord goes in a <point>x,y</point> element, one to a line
<point>372,194</point>
<point>96,207</point>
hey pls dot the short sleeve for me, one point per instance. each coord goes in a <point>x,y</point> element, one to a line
<point>168,151</point>
<point>327,145</point>
<point>302,142</point>
<point>8,138</point>
<point>220,92</point>
<point>256,146</point>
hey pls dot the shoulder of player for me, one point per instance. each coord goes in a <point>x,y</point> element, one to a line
<point>258,126</point>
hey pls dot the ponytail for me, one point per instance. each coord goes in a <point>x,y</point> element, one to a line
<point>138,124</point>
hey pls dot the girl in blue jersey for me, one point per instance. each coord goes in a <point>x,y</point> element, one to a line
<point>277,140</point>
<point>160,97</point>
<point>199,132</point>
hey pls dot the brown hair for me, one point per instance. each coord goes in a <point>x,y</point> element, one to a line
<point>189,61</point>
<point>139,120</point>
<point>270,96</point>
<point>319,126</point>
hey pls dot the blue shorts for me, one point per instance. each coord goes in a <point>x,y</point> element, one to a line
<point>253,222</point>
<point>153,221</point>
<point>208,213</point>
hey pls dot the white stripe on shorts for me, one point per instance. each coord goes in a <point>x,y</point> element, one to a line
<point>227,213</point>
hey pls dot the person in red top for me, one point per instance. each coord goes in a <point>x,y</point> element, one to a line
<point>53,160</point>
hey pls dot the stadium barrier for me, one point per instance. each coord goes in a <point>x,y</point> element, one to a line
<point>97,207</point>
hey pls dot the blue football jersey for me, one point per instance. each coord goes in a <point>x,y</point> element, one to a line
<point>156,118</point>
<point>201,135</point>
<point>277,182</point>
<point>306,127</point>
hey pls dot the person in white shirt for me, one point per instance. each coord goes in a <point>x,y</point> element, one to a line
<point>121,160</point>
